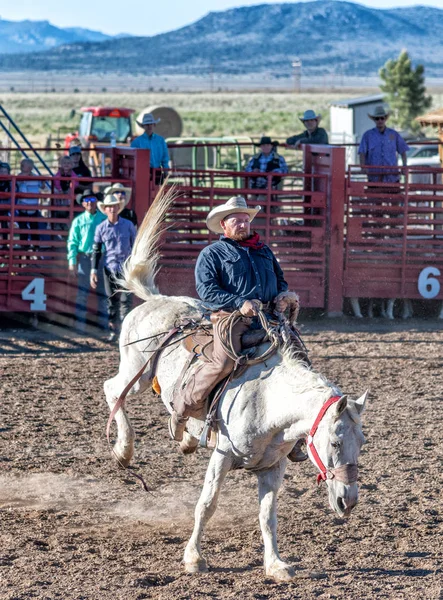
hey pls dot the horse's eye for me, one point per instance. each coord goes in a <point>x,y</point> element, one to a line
<point>336,445</point>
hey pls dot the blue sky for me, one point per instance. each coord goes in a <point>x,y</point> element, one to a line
<point>142,17</point>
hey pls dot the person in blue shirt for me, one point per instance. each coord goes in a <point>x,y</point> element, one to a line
<point>238,272</point>
<point>153,142</point>
<point>380,146</point>
<point>116,237</point>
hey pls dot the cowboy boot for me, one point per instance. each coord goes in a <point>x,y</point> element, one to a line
<point>297,454</point>
<point>176,426</point>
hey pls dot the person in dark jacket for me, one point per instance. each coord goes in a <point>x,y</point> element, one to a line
<point>266,161</point>
<point>78,165</point>
<point>313,133</point>
<point>239,272</point>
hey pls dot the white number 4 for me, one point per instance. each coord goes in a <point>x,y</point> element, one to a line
<point>35,293</point>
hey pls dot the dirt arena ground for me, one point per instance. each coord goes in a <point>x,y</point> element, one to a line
<point>74,526</point>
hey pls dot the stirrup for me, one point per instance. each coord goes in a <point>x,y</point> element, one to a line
<point>208,437</point>
<point>297,454</point>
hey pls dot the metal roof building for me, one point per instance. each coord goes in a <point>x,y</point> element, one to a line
<point>349,120</point>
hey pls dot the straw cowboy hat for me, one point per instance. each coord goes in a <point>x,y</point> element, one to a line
<point>111,200</point>
<point>237,204</point>
<point>379,111</point>
<point>148,119</point>
<point>117,188</point>
<point>309,115</point>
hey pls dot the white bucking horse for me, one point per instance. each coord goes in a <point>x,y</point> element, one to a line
<point>261,414</point>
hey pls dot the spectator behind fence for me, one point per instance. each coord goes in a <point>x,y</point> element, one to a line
<point>379,146</point>
<point>123,193</point>
<point>80,242</point>
<point>116,237</point>
<point>153,142</point>
<point>31,186</point>
<point>5,188</point>
<point>266,161</point>
<point>62,186</point>
<point>313,134</point>
<point>78,165</point>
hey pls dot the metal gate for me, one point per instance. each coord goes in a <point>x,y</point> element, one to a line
<point>292,222</point>
<point>34,275</point>
<point>394,236</point>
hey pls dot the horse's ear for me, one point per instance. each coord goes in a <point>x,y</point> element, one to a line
<point>360,403</point>
<point>341,406</point>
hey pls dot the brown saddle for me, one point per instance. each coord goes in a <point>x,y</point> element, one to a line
<point>201,341</point>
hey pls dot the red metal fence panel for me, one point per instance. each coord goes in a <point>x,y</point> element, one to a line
<point>394,236</point>
<point>292,222</point>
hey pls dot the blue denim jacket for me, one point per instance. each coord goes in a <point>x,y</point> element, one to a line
<point>227,274</point>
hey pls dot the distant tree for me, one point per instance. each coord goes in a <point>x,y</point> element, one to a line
<point>405,91</point>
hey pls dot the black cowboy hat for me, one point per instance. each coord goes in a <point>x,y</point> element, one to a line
<point>265,139</point>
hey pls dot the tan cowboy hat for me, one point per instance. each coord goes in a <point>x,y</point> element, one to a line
<point>379,111</point>
<point>118,188</point>
<point>111,200</point>
<point>237,204</point>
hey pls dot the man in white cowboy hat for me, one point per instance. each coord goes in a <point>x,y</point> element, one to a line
<point>313,133</point>
<point>153,142</point>
<point>380,146</point>
<point>266,161</point>
<point>80,241</point>
<point>123,193</point>
<point>238,272</point>
<point>116,237</point>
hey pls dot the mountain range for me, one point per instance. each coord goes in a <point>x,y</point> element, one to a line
<point>329,36</point>
<point>36,36</point>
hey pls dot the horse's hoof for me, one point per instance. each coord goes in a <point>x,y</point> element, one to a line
<point>123,459</point>
<point>280,572</point>
<point>189,443</point>
<point>199,566</point>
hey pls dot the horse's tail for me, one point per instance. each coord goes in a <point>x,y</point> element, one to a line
<point>140,269</point>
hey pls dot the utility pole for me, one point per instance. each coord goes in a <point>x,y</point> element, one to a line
<point>211,77</point>
<point>296,65</point>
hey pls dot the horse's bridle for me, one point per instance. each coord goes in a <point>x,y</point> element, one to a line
<point>345,473</point>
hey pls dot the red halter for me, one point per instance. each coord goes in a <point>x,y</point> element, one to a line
<point>345,473</point>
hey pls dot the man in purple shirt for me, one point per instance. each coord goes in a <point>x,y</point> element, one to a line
<point>116,237</point>
<point>379,146</point>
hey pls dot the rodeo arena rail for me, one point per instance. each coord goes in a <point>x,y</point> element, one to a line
<point>335,234</point>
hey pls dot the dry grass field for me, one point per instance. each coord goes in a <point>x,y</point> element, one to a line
<point>203,114</point>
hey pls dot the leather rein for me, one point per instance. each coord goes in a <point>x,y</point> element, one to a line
<point>348,473</point>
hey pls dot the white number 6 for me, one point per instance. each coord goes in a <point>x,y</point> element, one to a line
<point>35,292</point>
<point>429,286</point>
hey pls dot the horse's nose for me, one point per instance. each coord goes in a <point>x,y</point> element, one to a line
<point>350,499</point>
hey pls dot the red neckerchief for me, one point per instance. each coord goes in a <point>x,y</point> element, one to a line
<point>253,242</point>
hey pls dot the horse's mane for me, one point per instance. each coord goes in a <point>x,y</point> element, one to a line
<point>304,378</point>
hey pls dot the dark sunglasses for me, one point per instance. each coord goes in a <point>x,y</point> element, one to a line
<point>379,118</point>
<point>90,199</point>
